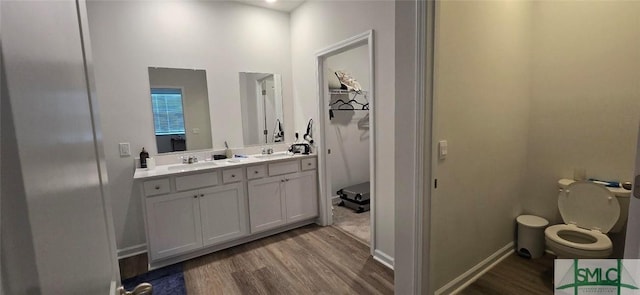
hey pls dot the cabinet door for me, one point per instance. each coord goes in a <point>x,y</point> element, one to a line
<point>174,224</point>
<point>301,194</point>
<point>266,203</point>
<point>224,213</point>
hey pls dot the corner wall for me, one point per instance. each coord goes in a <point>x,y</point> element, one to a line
<point>318,24</point>
<point>482,110</point>
<point>585,102</point>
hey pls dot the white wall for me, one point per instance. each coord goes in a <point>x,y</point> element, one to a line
<point>482,109</point>
<point>195,102</point>
<point>585,102</point>
<point>224,38</point>
<point>318,24</point>
<point>348,162</point>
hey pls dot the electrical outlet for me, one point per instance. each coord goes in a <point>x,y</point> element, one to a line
<point>125,149</point>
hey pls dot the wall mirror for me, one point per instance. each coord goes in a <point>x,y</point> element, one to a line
<point>261,103</point>
<point>180,106</point>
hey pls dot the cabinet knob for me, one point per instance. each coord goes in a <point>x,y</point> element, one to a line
<point>308,164</point>
<point>201,195</point>
<point>157,187</point>
<point>195,197</point>
<point>233,175</point>
<point>255,172</point>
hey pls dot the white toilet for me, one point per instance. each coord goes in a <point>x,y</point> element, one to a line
<point>589,211</point>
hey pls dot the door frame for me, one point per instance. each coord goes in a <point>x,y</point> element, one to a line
<point>362,39</point>
<point>415,144</point>
<point>632,243</point>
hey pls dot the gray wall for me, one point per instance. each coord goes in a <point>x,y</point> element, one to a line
<point>482,108</point>
<point>525,93</point>
<point>318,24</point>
<point>585,96</point>
<point>224,38</point>
<point>60,243</point>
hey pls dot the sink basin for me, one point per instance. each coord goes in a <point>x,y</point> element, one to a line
<point>273,156</point>
<point>192,167</point>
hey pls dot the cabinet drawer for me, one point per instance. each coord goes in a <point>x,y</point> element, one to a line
<point>309,164</point>
<point>156,187</point>
<point>188,182</point>
<point>232,175</point>
<point>256,172</point>
<point>284,167</point>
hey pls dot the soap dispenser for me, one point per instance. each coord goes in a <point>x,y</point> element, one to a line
<point>143,158</point>
<point>227,150</point>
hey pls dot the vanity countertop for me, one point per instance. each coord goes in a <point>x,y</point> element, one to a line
<point>176,169</point>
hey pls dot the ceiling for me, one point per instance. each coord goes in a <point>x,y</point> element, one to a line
<point>281,5</point>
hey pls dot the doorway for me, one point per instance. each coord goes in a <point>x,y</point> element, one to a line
<point>519,94</point>
<point>346,120</point>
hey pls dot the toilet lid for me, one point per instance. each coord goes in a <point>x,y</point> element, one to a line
<point>589,205</point>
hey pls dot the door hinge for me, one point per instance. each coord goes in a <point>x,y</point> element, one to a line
<point>435,183</point>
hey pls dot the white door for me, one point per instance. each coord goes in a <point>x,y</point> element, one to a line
<point>632,245</point>
<point>301,194</point>
<point>266,203</point>
<point>223,211</point>
<point>174,224</point>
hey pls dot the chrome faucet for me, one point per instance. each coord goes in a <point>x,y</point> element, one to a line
<point>267,151</point>
<point>189,159</point>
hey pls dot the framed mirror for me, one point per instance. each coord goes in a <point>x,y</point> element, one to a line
<point>180,106</point>
<point>261,103</point>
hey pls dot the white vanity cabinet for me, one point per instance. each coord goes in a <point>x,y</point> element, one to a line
<point>223,211</point>
<point>267,206</point>
<point>301,194</point>
<point>192,213</point>
<point>173,224</point>
<point>275,201</point>
<point>186,221</point>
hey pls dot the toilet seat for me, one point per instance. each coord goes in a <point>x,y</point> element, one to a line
<point>589,212</point>
<point>589,206</point>
<point>600,240</point>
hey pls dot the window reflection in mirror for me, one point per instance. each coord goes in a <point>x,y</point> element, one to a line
<point>261,102</point>
<point>180,106</point>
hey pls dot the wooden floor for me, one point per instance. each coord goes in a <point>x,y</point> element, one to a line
<point>308,260</point>
<point>516,275</point>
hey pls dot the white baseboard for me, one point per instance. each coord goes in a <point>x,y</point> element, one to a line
<point>383,258</point>
<point>132,251</point>
<point>471,275</point>
<point>113,288</point>
<point>335,200</point>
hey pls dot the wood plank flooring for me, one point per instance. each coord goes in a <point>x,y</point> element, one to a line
<point>516,275</point>
<point>307,260</point>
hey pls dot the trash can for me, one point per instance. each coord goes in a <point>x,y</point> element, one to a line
<point>531,235</point>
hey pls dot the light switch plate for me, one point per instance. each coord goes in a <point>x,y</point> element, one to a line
<point>125,149</point>
<point>442,149</point>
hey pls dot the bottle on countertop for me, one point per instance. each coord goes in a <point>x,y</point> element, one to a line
<point>143,158</point>
<point>227,150</point>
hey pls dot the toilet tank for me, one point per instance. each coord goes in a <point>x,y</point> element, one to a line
<point>622,195</point>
